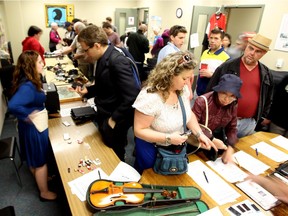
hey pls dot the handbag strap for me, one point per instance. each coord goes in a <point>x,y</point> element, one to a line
<point>183,112</point>
<point>207,111</point>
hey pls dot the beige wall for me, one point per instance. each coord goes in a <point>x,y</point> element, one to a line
<point>32,13</point>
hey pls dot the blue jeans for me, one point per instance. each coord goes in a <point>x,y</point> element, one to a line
<point>245,127</point>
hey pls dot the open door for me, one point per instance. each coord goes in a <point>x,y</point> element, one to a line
<point>200,19</point>
<point>239,19</point>
<point>126,18</point>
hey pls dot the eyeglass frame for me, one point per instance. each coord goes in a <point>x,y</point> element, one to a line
<point>86,50</point>
<point>230,98</point>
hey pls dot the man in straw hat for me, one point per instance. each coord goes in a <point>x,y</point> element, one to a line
<point>257,87</point>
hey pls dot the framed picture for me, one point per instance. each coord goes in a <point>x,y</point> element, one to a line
<point>59,14</point>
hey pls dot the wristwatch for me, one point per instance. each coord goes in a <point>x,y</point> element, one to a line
<point>167,139</point>
<point>198,134</point>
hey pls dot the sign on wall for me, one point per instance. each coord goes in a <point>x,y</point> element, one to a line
<point>59,14</point>
<point>282,38</point>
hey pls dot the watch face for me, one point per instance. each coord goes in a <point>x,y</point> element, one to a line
<point>179,12</point>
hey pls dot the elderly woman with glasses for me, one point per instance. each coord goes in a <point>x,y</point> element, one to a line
<point>222,117</point>
<point>158,118</point>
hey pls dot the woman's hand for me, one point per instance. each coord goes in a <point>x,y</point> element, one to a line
<point>219,144</point>
<point>177,139</point>
<point>227,156</point>
<point>206,143</point>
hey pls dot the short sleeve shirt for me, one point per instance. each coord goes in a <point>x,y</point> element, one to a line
<point>167,117</point>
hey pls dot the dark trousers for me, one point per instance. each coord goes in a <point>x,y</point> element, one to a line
<point>115,138</point>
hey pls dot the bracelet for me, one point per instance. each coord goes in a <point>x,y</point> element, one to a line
<point>198,134</point>
<point>167,139</point>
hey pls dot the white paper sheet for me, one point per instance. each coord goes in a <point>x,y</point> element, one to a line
<point>230,172</point>
<point>220,191</point>
<point>124,172</point>
<point>40,120</point>
<point>250,163</point>
<point>270,151</point>
<point>79,186</point>
<point>194,40</point>
<point>280,141</point>
<point>212,212</point>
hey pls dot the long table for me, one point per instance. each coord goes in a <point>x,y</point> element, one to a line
<point>62,86</point>
<point>149,177</point>
<point>68,156</point>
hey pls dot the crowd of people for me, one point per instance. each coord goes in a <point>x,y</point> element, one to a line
<point>237,86</point>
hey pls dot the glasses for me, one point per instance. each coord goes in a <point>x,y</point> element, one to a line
<point>86,50</point>
<point>184,59</point>
<point>224,95</point>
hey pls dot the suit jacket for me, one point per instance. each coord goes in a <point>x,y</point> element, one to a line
<point>114,89</point>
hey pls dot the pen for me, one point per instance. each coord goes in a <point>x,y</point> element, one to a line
<point>237,161</point>
<point>256,151</point>
<point>99,174</point>
<point>205,176</point>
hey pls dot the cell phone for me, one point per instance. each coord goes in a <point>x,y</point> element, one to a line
<point>187,133</point>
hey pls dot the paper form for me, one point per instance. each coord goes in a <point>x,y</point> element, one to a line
<point>270,151</point>
<point>212,212</point>
<point>280,141</point>
<point>79,186</point>
<point>219,190</point>
<point>124,172</point>
<point>250,163</point>
<point>230,172</point>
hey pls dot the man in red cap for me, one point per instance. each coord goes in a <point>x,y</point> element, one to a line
<point>257,89</point>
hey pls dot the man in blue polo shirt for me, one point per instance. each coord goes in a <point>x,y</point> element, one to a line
<point>210,60</point>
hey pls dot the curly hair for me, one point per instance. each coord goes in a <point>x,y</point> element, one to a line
<point>160,78</point>
<point>26,69</point>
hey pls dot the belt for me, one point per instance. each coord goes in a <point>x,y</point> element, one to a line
<point>173,148</point>
<point>240,118</point>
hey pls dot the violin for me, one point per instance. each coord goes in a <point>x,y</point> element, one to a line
<point>104,193</point>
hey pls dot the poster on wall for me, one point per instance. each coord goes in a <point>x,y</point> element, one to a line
<point>282,38</point>
<point>59,14</point>
<point>131,21</point>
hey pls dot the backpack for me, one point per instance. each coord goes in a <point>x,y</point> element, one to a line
<point>125,52</point>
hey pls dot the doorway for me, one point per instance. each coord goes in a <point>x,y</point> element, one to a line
<point>126,18</point>
<point>238,19</point>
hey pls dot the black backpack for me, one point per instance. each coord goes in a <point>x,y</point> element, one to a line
<point>125,52</point>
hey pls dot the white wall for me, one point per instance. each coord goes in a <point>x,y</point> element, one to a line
<point>32,13</point>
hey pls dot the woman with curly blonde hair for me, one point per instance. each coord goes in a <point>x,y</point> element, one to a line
<point>158,114</point>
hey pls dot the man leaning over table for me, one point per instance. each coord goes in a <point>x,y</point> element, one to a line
<point>257,88</point>
<point>114,88</point>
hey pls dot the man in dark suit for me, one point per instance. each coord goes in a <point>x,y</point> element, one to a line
<point>114,88</point>
<point>138,45</point>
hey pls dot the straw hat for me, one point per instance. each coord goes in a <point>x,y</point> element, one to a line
<point>260,41</point>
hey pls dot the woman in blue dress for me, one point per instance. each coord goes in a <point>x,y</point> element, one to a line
<point>28,98</point>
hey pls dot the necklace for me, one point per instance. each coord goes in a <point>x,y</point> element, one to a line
<point>175,106</point>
